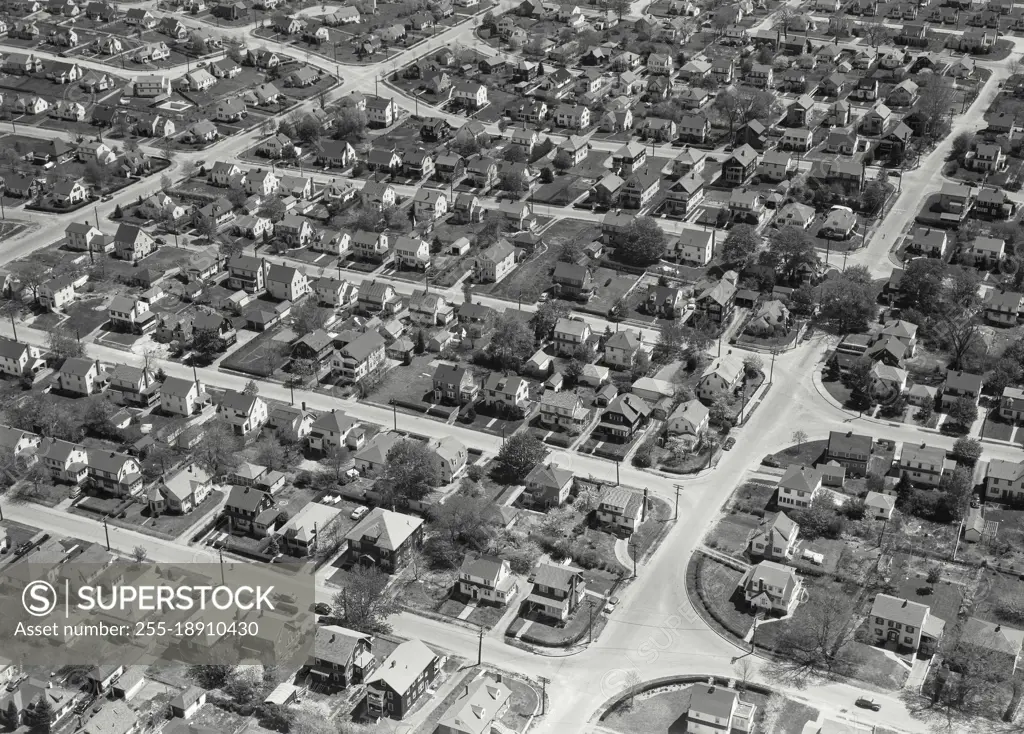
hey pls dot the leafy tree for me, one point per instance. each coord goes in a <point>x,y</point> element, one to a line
<point>967,450</point>
<point>273,209</point>
<point>365,604</point>
<point>207,345</point>
<point>620,310</point>
<point>671,340</point>
<point>873,196</point>
<point>139,553</point>
<point>922,282</point>
<point>741,244</point>
<point>206,227</point>
<point>644,242</point>
<point>63,344</point>
<point>752,365</point>
<point>465,521</point>
<point>934,575</point>
<point>547,315</point>
<point>97,174</point>
<point>955,495</point>
<point>349,124</point>
<point>410,473</point>
<point>210,676</point>
<point>848,300</point>
<point>520,454</point>
<point>641,365</point>
<point>962,143</point>
<point>963,412</point>
<point>511,343</point>
<point>307,317</point>
<point>273,546</point>
<point>251,388</point>
<point>40,715</point>
<point>571,251</point>
<point>217,453</point>
<point>792,248</point>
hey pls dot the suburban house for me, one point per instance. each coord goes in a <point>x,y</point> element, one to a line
<point>771,587</point>
<point>385,539</point>
<point>621,509</point>
<point>487,579</point>
<point>715,709</point>
<point>245,413</point>
<point>924,465</point>
<point>401,680</point>
<point>548,486</point>
<point>341,657</point>
<point>557,591</point>
<point>798,486</point>
<point>904,624</point>
<point>850,450</point>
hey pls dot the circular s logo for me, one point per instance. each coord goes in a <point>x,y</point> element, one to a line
<point>39,598</point>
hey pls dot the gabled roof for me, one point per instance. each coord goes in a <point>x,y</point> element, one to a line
<point>892,608</point>
<point>549,477</point>
<point>404,666</point>
<point>801,478</point>
<point>386,529</point>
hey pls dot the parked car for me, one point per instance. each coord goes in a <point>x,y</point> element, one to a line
<point>609,606</point>
<point>358,513</point>
<point>729,443</point>
<point>867,703</point>
<point>770,460</point>
<point>322,608</point>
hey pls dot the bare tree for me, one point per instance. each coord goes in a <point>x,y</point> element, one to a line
<point>799,436</point>
<point>744,671</point>
<point>818,646</point>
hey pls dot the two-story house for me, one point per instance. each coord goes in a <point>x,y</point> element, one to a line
<point>385,539</point>
<point>620,509</point>
<point>454,385</point>
<point>341,657</point>
<point>487,580</point>
<point>401,680</point>
<point>548,486</point>
<point>557,591</point>
<point>907,625</point>
<point>182,397</point>
<point>81,376</point>
<point>563,409</point>
<point>798,486</point>
<point>771,587</point>
<point>625,415</point>
<point>570,334</point>
<point>245,413</point>
<point>775,537</point>
<point>924,465</point>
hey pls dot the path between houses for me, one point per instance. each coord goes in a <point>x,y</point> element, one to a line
<point>725,558</point>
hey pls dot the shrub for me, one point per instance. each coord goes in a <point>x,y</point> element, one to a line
<point>475,472</point>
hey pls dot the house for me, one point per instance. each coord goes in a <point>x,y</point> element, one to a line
<point>380,112</point>
<point>717,302</point>
<point>361,357</point>
<point>625,415</point>
<point>330,431</point>
<point>57,293</point>
<point>548,486</point>
<point>905,624</point>
<point>664,301</point>
<point>449,455</point>
<point>993,203</point>
<point>839,224</point>
<point>454,385</point>
<point>182,397</point>
<point>376,297</point>
<point>740,166</point>
<point>182,492</point>
<point>960,385</point>
<point>557,591</point>
<point>496,262</point>
<point>395,687</point>
<point>563,410</point>
<point>798,486</point>
<point>771,587</point>
<point>924,465</point>
<point>80,376</point>
<point>385,539</point>
<point>316,348</point>
<point>134,385</point>
<point>715,709</point>
<point>795,215</point>
<point>430,204</point>
<point>984,252</point>
<point>246,414</point>
<point>340,656</point>
<point>621,349</point>
<point>639,189</point>
<point>688,422</point>
<point>246,273</point>
<point>132,315</point>
<point>620,509</point>
<point>775,537</point>
<point>19,359</point>
<point>723,375</point>
<point>429,309</point>
<point>570,334</point>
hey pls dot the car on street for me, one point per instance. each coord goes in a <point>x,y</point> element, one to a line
<point>729,443</point>
<point>359,512</point>
<point>609,606</point>
<point>322,608</point>
<point>108,197</point>
<point>867,703</point>
<point>160,241</point>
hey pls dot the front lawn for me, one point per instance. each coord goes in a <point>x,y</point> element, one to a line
<point>663,712</point>
<point>806,454</point>
<point>731,533</point>
<point>752,498</point>
<point>718,591</point>
<point>654,527</point>
<point>996,428</point>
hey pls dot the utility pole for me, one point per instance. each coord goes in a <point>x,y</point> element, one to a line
<point>394,413</point>
<point>106,532</point>
<point>771,372</point>
<point>590,628</point>
<point>543,695</point>
<point>220,553</point>
<point>14,328</point>
<point>881,535</point>
<point>480,646</point>
<point>291,387</point>
<point>678,487</point>
<point>617,463</point>
<point>632,545</point>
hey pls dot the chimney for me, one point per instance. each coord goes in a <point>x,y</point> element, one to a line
<point>497,676</point>
<point>303,404</point>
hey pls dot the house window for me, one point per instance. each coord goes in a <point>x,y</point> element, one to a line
<point>909,628</point>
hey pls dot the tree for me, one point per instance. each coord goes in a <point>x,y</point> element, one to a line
<point>741,245</point>
<point>934,575</point>
<point>410,473</point>
<point>922,282</point>
<point>818,646</point>
<point>967,450</point>
<point>308,131</point>
<point>206,345</point>
<point>937,97</point>
<point>799,436</point>
<point>34,274</point>
<point>644,242</point>
<point>875,33</point>
<point>571,251</point>
<point>39,716</point>
<point>63,344</point>
<point>620,7</point>
<point>547,315</point>
<point>273,209</point>
<point>519,454</point>
<point>963,412</point>
<point>512,181</point>
<point>873,196</point>
<point>641,365</point>
<point>139,554</point>
<point>206,227</point>
<point>465,521</point>
<point>752,365</point>
<point>620,310</point>
<point>251,388</point>
<point>97,174</point>
<point>307,317</point>
<point>848,301</point>
<point>245,684</point>
<point>963,143</point>
<point>511,343</point>
<point>366,604</point>
<point>792,248</point>
<point>217,452</point>
<point>273,547</point>
<point>349,124</point>
<point>97,418</point>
